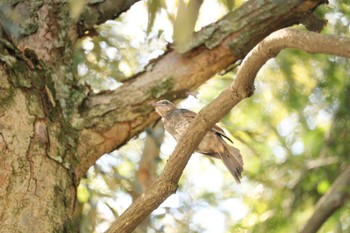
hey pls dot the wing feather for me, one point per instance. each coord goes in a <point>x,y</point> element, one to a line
<point>216,129</point>
<point>233,161</point>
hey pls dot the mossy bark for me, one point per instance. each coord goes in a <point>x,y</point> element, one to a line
<point>37,190</point>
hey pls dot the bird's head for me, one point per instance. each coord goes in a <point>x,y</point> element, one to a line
<point>163,107</point>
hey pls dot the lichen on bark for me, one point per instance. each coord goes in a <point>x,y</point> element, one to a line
<point>29,124</point>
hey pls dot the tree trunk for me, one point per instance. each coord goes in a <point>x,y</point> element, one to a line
<point>52,130</point>
<point>37,193</point>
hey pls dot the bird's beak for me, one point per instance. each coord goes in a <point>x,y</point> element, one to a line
<point>154,104</point>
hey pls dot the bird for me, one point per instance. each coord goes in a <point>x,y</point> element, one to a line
<point>177,120</point>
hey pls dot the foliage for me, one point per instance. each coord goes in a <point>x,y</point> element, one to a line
<point>288,132</point>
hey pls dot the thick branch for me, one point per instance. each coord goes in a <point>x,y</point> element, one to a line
<point>97,12</point>
<point>241,88</point>
<point>47,27</point>
<point>335,197</point>
<point>109,120</point>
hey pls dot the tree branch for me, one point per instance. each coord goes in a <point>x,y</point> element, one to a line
<point>242,87</point>
<point>97,12</point>
<point>146,173</point>
<point>108,120</point>
<point>335,197</point>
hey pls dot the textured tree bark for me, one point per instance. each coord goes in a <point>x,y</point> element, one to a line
<point>52,130</point>
<point>103,127</point>
<point>37,144</point>
<point>37,193</point>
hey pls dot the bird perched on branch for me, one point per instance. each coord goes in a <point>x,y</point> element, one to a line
<point>176,122</point>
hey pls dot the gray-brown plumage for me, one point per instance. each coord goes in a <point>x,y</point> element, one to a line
<point>176,122</point>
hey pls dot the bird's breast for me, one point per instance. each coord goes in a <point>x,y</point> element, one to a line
<point>176,126</point>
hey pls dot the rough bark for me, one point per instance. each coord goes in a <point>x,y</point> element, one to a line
<point>103,127</point>
<point>38,146</point>
<point>47,26</point>
<point>52,130</point>
<point>241,88</point>
<point>37,193</point>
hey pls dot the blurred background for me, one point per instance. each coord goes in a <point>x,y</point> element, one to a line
<point>293,132</point>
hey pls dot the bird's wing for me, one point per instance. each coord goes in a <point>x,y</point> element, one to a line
<point>216,129</point>
<point>187,113</point>
<point>220,132</point>
<point>232,159</point>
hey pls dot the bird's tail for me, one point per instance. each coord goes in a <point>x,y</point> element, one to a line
<point>232,159</point>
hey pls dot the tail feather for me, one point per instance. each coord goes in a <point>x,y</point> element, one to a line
<point>233,161</point>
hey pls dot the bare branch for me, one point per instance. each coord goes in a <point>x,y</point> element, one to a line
<point>320,162</point>
<point>241,88</point>
<point>335,197</point>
